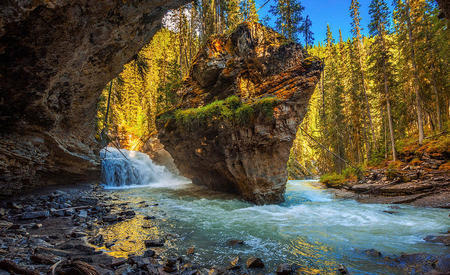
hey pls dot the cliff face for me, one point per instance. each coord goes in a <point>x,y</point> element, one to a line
<point>240,107</point>
<point>55,58</point>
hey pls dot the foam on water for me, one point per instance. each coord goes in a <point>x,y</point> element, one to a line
<point>311,228</point>
<point>130,169</point>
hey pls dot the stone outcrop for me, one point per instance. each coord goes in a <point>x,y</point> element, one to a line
<point>56,57</point>
<point>239,111</point>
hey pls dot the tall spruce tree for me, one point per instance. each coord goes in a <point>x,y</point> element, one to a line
<point>381,59</point>
<point>308,35</point>
<point>289,18</point>
<point>248,10</point>
<point>356,30</point>
<point>406,28</point>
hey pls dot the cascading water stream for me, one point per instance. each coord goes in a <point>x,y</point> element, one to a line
<point>128,169</point>
<point>311,228</point>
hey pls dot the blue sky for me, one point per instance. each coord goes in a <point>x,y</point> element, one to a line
<point>334,12</point>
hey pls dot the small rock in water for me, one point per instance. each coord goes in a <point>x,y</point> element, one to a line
<point>284,269</point>
<point>373,253</point>
<point>154,243</point>
<point>390,212</point>
<point>445,239</point>
<point>149,217</point>
<point>129,213</point>
<point>254,262</point>
<point>109,244</point>
<point>110,218</point>
<point>234,263</point>
<point>342,270</point>
<point>235,242</point>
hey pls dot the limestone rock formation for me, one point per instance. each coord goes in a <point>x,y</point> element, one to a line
<point>56,57</point>
<point>239,111</point>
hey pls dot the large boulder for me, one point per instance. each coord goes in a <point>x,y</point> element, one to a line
<point>55,58</point>
<point>239,110</point>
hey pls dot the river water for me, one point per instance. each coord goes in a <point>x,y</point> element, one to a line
<point>310,229</point>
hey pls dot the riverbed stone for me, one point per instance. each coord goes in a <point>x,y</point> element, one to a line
<point>35,215</point>
<point>254,262</point>
<point>154,243</point>
<point>284,269</point>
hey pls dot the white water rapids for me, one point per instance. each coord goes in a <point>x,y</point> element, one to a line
<point>311,228</point>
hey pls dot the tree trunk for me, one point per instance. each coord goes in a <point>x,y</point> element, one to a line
<point>438,107</point>
<point>416,74</point>
<point>389,116</point>
<point>388,103</point>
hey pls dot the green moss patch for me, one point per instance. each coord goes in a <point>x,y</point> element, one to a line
<point>230,109</point>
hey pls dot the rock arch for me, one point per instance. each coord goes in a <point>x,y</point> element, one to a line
<point>56,56</point>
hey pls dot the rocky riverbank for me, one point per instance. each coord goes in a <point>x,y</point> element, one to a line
<point>420,177</point>
<point>62,231</point>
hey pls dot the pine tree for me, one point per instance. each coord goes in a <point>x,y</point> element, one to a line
<point>380,59</point>
<point>356,30</point>
<point>233,14</point>
<point>289,18</point>
<point>406,27</point>
<point>248,9</point>
<point>307,33</point>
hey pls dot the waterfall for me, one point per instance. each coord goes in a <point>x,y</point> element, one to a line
<point>126,169</point>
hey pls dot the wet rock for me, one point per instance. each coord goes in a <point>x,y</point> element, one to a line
<point>78,234</point>
<point>444,239</point>
<point>69,212</point>
<point>83,214</point>
<point>373,253</point>
<point>128,214</point>
<point>234,264</point>
<point>170,265</point>
<point>110,218</point>
<point>77,267</point>
<point>149,253</point>
<point>57,212</point>
<point>254,262</point>
<point>36,226</point>
<point>154,243</point>
<point>109,244</point>
<point>44,259</point>
<point>342,270</point>
<point>4,225</point>
<point>15,268</point>
<point>98,240</point>
<point>190,250</point>
<point>284,269</point>
<point>390,212</point>
<point>118,262</point>
<point>35,215</point>
<point>235,242</point>
<point>149,217</point>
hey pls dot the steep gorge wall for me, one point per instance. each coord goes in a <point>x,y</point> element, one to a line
<point>55,58</point>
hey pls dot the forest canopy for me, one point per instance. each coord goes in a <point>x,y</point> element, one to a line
<point>375,91</point>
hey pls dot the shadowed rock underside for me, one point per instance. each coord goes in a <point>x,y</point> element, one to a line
<point>55,58</point>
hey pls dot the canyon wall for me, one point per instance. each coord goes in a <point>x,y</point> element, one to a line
<point>55,59</point>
